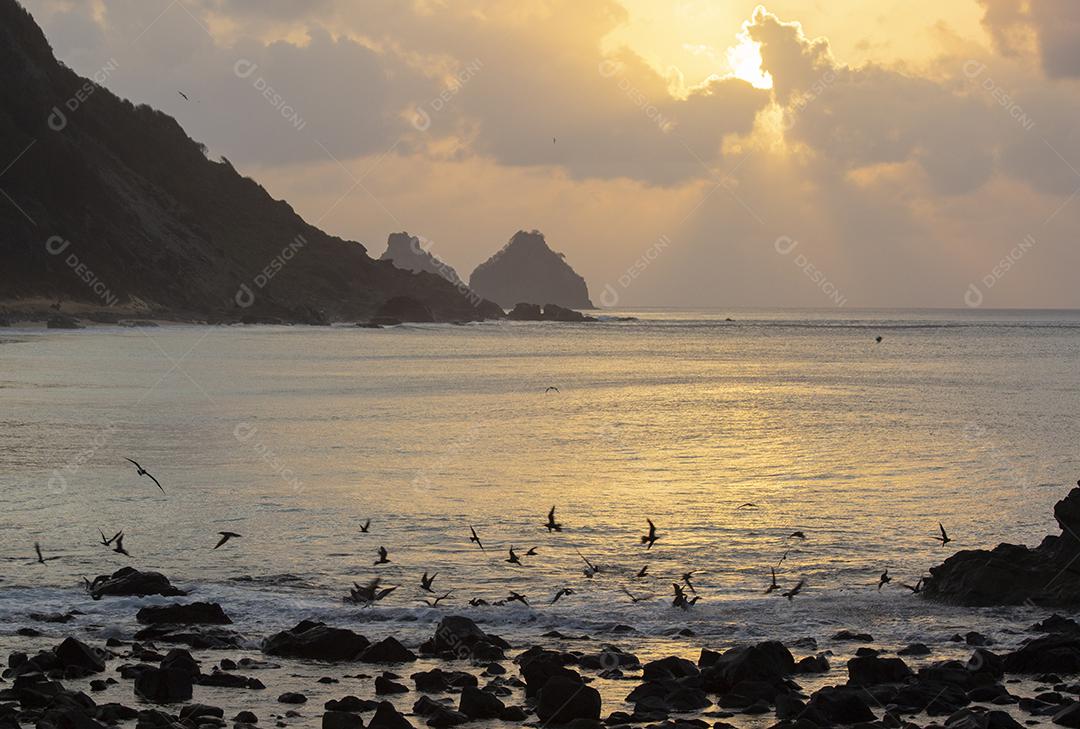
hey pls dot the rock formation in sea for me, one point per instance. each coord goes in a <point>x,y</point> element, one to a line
<point>1012,574</point>
<point>410,253</point>
<point>111,207</point>
<point>527,271</point>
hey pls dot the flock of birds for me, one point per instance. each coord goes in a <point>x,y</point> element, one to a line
<point>372,592</point>
<point>685,594</point>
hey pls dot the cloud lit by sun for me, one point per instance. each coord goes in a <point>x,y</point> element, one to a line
<point>745,62</point>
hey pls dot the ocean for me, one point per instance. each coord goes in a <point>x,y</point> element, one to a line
<point>295,436</point>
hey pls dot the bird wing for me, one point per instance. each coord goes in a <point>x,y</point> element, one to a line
<point>135,462</point>
<point>652,528</point>
<point>224,539</point>
<point>114,536</point>
<point>551,516</point>
<point>155,481</point>
<point>943,534</point>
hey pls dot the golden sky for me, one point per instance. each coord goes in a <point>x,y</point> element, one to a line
<point>909,148</point>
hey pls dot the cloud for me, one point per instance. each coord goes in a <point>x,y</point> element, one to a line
<point>1053,26</point>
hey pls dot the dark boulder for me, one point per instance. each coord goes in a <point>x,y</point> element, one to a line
<point>768,662</point>
<point>387,717</point>
<point>563,700</point>
<point>388,650</point>
<point>459,637</point>
<point>874,670</point>
<point>478,704</point>
<point>128,581</point>
<point>316,641</point>
<point>1054,652</point>
<point>163,685</point>
<point>539,667</point>
<point>292,697</point>
<point>75,653</point>
<point>914,649</point>
<point>841,705</point>
<point>341,720</point>
<point>439,681</point>
<point>385,686</point>
<point>193,613</point>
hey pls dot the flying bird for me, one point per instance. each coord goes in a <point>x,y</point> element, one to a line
<point>425,582</point>
<point>369,593</point>
<point>560,593</point>
<point>680,600</point>
<point>365,526</point>
<point>119,548</point>
<point>916,589</point>
<point>551,388</point>
<point>747,505</point>
<point>642,572</point>
<point>783,557</point>
<point>478,602</point>
<point>532,552</point>
<point>184,95</point>
<point>634,598</point>
<point>793,591</point>
<point>437,600</point>
<point>590,568</point>
<point>476,538</point>
<point>226,536</point>
<point>883,580</point>
<point>796,535</point>
<point>382,556</point>
<point>41,559</point>
<point>774,585</point>
<point>944,538</point>
<point>686,578</point>
<point>552,525</point>
<point>650,538</point>
<point>513,558</point>
<point>143,472</point>
<point>516,597</point>
<point>108,542</point>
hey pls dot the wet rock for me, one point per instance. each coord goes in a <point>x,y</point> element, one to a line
<point>538,666</point>
<point>1054,652</point>
<point>384,686</point>
<point>350,703</point>
<point>246,717</point>
<point>128,581</point>
<point>841,705</point>
<point>387,717</point>
<point>812,664</point>
<point>440,681</point>
<point>852,637</point>
<point>459,637</point>
<point>201,711</point>
<point>59,321</point>
<point>229,680</point>
<point>873,670</point>
<point>74,653</point>
<point>163,685</point>
<point>316,641</point>
<point>425,706</point>
<point>670,667</point>
<point>199,637</point>
<point>1056,624</point>
<point>292,697</point>
<point>1068,716</point>
<point>477,704</point>
<point>341,720</point>
<point>388,650</point>
<point>513,713</point>
<point>769,662</point>
<point>193,613</point>
<point>914,649</point>
<point>52,617</point>
<point>610,657</point>
<point>562,700</point>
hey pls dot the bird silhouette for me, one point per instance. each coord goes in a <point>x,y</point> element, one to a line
<point>369,593</point>
<point>108,542</point>
<point>680,600</point>
<point>365,526</point>
<point>425,582</point>
<point>944,538</point>
<point>552,525</point>
<point>634,598</point>
<point>513,558</point>
<point>642,572</point>
<point>796,535</point>
<point>650,538</point>
<point>916,589</point>
<point>478,602</point>
<point>552,388</point>
<point>793,591</point>
<point>382,556</point>
<point>532,552</point>
<point>476,538</point>
<point>517,597</point>
<point>590,568</point>
<point>225,536</point>
<point>774,585</point>
<point>883,580</point>
<point>435,602</point>
<point>143,472</point>
<point>686,578</point>
<point>40,558</point>
<point>877,339</point>
<point>747,505</point>
<point>560,593</point>
<point>119,548</point>
<point>783,557</point>
<point>184,95</point>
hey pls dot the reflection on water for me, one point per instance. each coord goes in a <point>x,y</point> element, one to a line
<point>293,436</point>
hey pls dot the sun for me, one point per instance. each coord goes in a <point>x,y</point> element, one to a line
<point>745,62</point>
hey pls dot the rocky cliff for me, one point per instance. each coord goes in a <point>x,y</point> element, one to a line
<point>409,252</point>
<point>526,270</point>
<point>111,205</point>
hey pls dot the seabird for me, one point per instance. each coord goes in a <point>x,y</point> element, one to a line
<point>883,580</point>
<point>143,472</point>
<point>686,578</point>
<point>747,505</point>
<point>944,538</point>
<point>437,600</point>
<point>793,591</point>
<point>774,585</point>
<point>119,548</point>
<point>680,600</point>
<point>478,602</point>
<point>633,598</point>
<point>516,597</point>
<point>40,559</point>
<point>513,558</point>
<point>425,582</point>
<point>108,542</point>
<point>226,536</point>
<point>552,525</point>
<point>365,526</point>
<point>796,535</point>
<point>590,568</point>
<point>560,593</point>
<point>650,538</point>
<point>783,557</point>
<point>369,593</point>
<point>549,389</point>
<point>382,556</point>
<point>878,339</point>
<point>916,589</point>
<point>642,572</point>
<point>475,538</point>
<point>532,552</point>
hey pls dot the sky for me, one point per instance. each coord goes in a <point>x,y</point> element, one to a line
<point>700,153</point>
